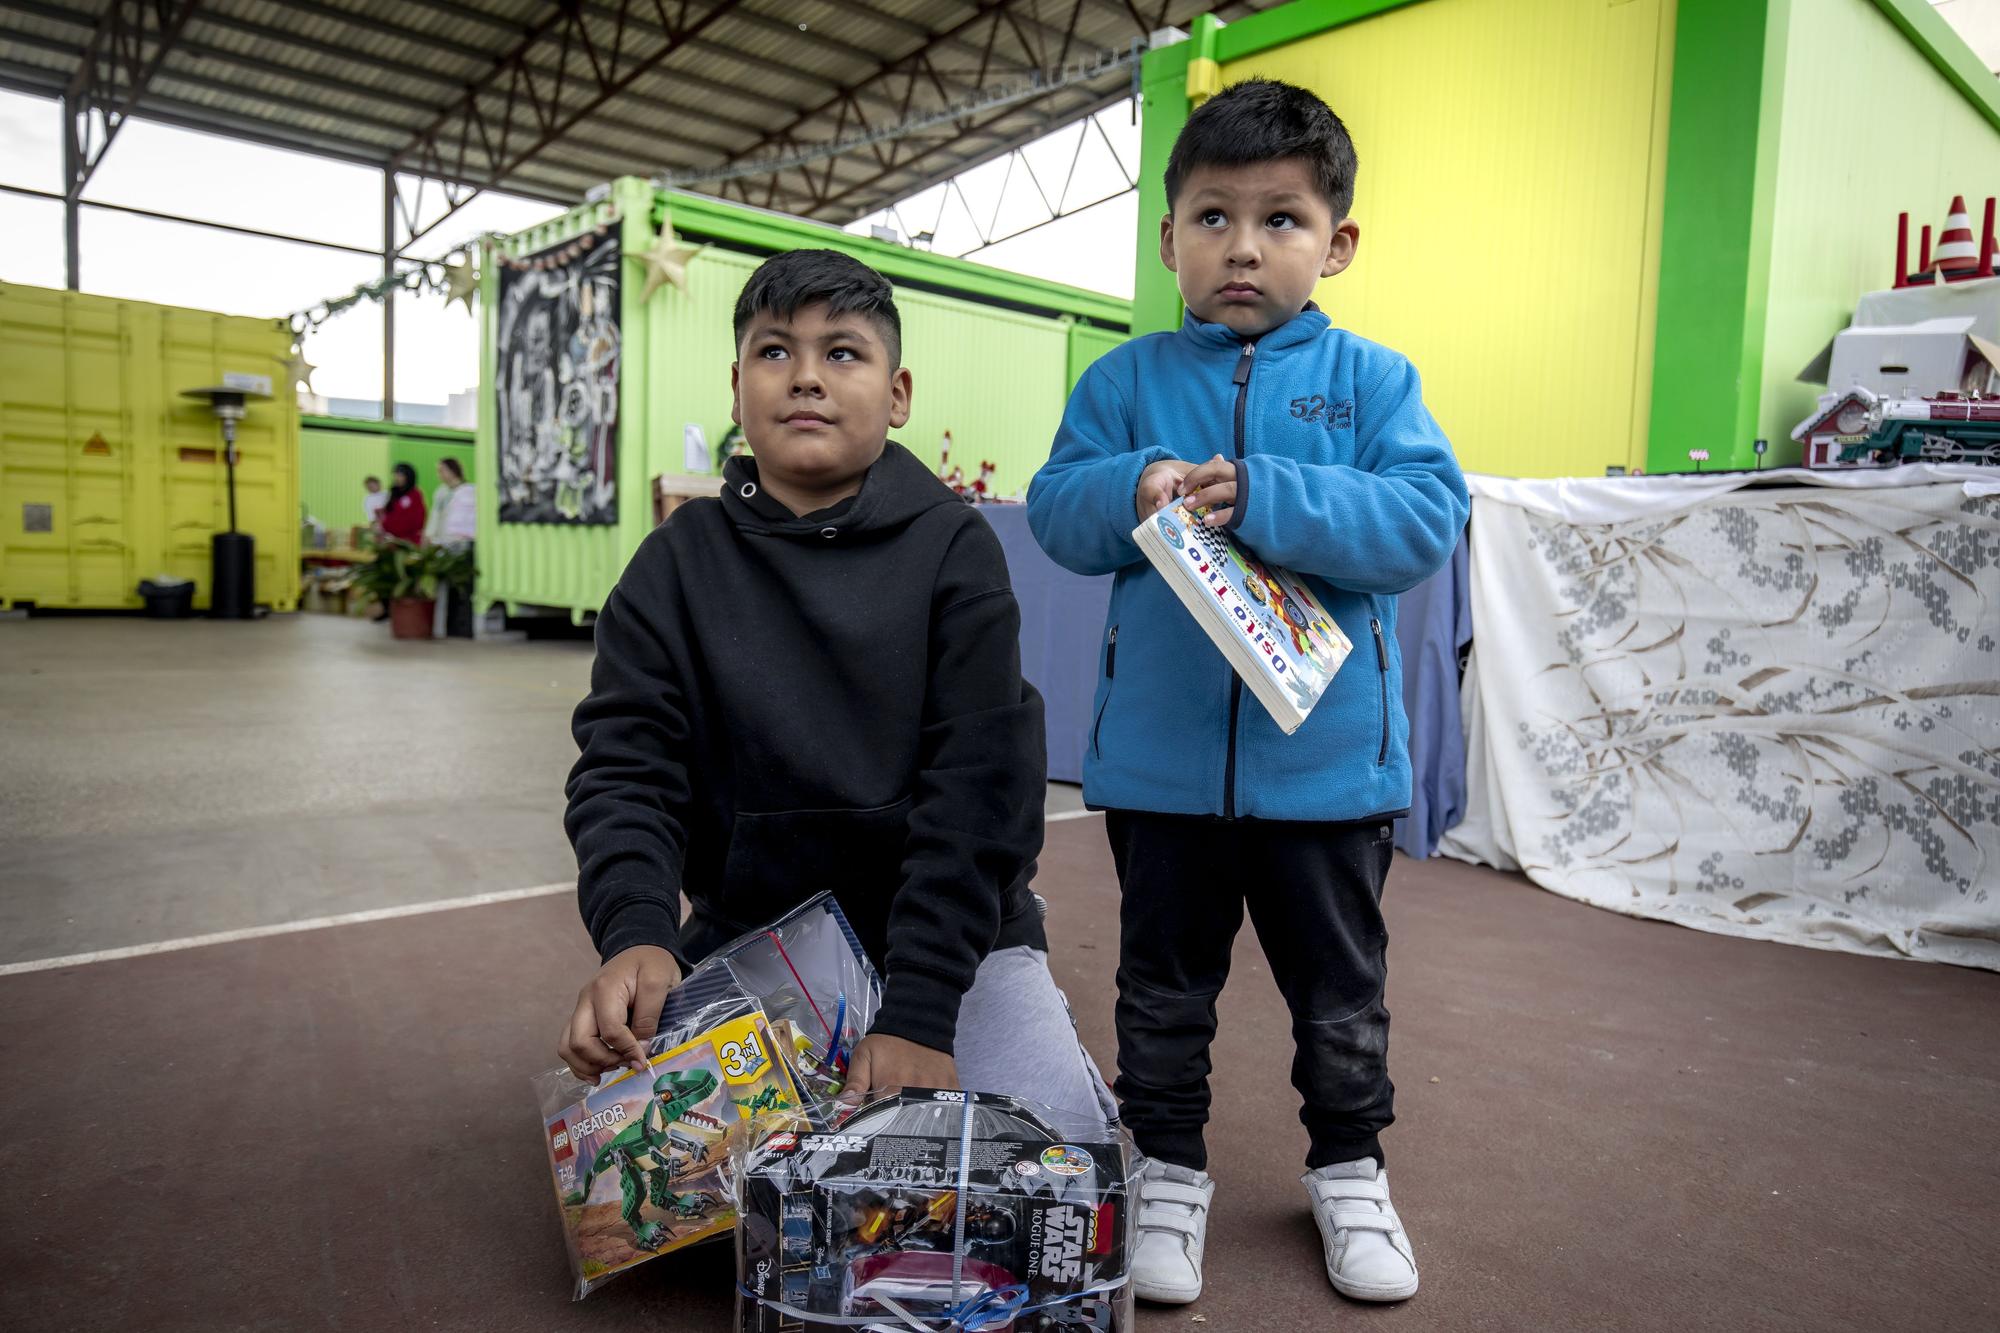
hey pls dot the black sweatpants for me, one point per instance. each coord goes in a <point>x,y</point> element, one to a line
<point>1314,891</point>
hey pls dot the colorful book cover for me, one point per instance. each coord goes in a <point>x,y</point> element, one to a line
<point>638,1163</point>
<point>1264,618</point>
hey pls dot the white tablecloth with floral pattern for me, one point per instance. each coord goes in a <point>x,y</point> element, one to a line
<point>1769,710</point>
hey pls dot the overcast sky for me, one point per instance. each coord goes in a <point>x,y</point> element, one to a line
<point>169,170</point>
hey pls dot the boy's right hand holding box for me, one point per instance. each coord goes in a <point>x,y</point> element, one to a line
<point>1319,456</point>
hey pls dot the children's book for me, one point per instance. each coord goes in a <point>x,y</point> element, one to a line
<point>1264,618</point>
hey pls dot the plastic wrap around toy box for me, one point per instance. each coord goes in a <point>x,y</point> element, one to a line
<point>936,1210</point>
<point>761,1028</point>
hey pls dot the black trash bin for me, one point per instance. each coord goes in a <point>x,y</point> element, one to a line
<point>167,599</point>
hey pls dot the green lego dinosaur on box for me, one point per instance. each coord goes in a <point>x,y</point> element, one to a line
<point>641,1153</point>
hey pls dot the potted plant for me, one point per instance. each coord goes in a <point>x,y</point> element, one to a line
<point>401,577</point>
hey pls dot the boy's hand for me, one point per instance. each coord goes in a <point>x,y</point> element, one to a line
<point>618,1011</point>
<point>1158,485</point>
<point>1212,486</point>
<point>883,1064</point>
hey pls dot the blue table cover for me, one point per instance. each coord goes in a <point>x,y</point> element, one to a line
<point>1062,617</point>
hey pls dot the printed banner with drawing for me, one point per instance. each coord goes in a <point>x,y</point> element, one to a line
<point>556,362</point>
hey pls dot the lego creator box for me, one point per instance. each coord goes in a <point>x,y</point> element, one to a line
<point>935,1204</point>
<point>638,1162</point>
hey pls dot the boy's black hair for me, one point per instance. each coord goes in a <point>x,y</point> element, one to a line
<point>1262,120</point>
<point>788,283</point>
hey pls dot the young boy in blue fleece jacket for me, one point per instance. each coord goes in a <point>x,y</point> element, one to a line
<point>1322,457</point>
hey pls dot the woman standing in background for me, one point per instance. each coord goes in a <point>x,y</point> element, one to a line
<point>454,520</point>
<point>403,516</point>
<point>454,523</point>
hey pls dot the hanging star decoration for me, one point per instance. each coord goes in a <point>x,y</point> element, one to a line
<point>298,370</point>
<point>665,260</point>
<point>461,281</point>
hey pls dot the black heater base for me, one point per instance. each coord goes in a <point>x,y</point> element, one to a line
<point>233,576</point>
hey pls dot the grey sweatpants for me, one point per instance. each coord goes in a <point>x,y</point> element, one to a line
<point>1016,1036</point>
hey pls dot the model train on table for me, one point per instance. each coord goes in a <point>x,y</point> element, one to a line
<point>1859,428</point>
<point>1916,377</point>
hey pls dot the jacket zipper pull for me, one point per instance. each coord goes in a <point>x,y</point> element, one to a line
<point>1381,650</point>
<point>1242,375</point>
<point>1111,655</point>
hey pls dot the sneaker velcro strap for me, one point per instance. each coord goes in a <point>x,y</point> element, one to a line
<point>1178,1224</point>
<point>1326,1190</point>
<point>1172,1191</point>
<point>1360,1221</point>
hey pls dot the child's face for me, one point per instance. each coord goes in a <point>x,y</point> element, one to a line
<point>374,486</point>
<point>817,396</point>
<point>1248,243</point>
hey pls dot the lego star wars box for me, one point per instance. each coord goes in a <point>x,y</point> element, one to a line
<point>932,1207</point>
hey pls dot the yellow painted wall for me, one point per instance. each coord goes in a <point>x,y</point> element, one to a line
<point>95,437</point>
<point>1513,160</point>
<point>1847,166</point>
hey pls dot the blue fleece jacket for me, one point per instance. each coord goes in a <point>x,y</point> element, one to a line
<point>1342,476</point>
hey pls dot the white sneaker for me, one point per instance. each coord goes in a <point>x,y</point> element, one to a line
<point>1173,1227</point>
<point>1368,1255</point>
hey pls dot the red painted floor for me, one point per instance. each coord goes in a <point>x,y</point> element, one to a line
<point>1605,1123</point>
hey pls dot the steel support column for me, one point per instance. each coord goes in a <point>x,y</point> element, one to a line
<point>389,297</point>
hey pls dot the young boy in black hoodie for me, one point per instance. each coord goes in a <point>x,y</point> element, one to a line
<point>814,683</point>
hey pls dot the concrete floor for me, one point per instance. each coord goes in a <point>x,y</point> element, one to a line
<point>1604,1123</point>
<point>164,779</point>
<point>174,778</point>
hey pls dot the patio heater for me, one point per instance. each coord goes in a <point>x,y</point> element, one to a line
<point>232,554</point>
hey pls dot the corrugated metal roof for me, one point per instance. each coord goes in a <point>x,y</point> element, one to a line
<point>548,99</point>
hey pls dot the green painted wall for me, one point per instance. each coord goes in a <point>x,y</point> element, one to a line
<point>1087,342</point>
<point>1847,166</point>
<point>336,456</point>
<point>332,466</point>
<point>1708,350</point>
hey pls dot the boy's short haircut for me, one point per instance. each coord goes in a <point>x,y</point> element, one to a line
<point>1262,120</point>
<point>366,480</point>
<point>788,283</point>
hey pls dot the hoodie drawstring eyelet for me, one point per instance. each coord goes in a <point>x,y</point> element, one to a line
<point>748,489</point>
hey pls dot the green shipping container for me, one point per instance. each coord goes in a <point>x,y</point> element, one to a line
<point>992,355</point>
<point>108,476</point>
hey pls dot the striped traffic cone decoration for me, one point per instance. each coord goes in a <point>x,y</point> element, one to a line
<point>1956,251</point>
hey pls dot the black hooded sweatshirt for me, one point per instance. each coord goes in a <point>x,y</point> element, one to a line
<point>785,705</point>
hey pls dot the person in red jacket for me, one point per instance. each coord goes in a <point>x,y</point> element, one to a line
<point>403,516</point>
